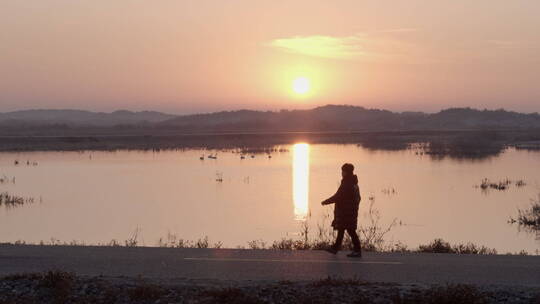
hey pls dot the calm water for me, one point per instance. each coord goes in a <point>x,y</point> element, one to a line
<point>95,197</point>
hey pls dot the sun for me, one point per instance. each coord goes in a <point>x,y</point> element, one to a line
<point>301,85</point>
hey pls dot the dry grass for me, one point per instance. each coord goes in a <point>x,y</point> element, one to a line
<point>61,287</point>
<point>335,282</point>
<point>146,292</point>
<point>441,246</point>
<point>172,241</point>
<point>230,296</point>
<point>449,294</point>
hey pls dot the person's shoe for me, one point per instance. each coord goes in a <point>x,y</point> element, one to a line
<point>355,254</point>
<point>331,250</point>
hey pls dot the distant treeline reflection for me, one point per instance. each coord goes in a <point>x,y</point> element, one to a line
<point>476,144</point>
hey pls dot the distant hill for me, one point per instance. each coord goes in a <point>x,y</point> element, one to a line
<point>325,118</point>
<point>352,118</point>
<point>81,118</point>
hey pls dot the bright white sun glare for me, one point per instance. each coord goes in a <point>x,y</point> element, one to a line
<point>301,85</point>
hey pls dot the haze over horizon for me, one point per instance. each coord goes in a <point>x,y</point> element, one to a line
<point>130,111</point>
<point>206,56</point>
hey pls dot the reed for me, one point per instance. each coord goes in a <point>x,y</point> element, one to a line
<point>501,185</point>
<point>7,180</point>
<point>10,201</point>
<point>529,219</point>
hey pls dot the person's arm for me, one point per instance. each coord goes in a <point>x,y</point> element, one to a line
<point>327,201</point>
<point>333,198</point>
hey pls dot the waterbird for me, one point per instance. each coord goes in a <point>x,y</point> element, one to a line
<point>219,177</point>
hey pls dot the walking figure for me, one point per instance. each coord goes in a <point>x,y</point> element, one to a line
<point>346,201</point>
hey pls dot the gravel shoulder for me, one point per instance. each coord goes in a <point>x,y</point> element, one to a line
<point>79,274</point>
<point>64,287</point>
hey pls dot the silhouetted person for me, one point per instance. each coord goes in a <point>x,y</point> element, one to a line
<point>346,200</point>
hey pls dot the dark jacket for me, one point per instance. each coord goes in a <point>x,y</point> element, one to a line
<point>346,200</point>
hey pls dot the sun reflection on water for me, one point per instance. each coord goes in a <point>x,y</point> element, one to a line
<point>301,180</point>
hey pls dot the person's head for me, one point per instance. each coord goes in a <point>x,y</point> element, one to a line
<point>347,170</point>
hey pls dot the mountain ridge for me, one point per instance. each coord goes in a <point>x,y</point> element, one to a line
<point>82,117</point>
<point>323,118</point>
<point>353,118</point>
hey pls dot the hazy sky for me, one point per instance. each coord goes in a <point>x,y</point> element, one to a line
<point>204,55</point>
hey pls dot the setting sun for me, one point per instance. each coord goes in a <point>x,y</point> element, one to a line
<point>301,85</point>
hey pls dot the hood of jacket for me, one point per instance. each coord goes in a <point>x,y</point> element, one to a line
<point>350,180</point>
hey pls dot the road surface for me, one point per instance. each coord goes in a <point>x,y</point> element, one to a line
<point>271,265</point>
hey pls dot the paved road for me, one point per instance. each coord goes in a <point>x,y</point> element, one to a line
<point>264,265</point>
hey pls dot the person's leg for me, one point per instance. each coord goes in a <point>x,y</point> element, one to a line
<point>339,239</point>
<point>355,240</point>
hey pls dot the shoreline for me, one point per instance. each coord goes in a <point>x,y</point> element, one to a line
<point>437,246</point>
<point>466,143</point>
<point>437,145</point>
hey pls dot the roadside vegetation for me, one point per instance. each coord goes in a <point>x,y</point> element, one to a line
<point>54,287</point>
<point>172,241</point>
<point>372,235</point>
<point>441,246</point>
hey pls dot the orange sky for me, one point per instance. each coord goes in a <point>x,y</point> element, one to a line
<point>206,55</point>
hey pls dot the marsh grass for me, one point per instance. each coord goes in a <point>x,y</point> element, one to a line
<point>11,201</point>
<point>7,180</point>
<point>501,185</point>
<point>529,219</point>
<point>520,183</point>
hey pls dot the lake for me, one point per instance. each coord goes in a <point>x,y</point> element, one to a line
<point>94,197</point>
